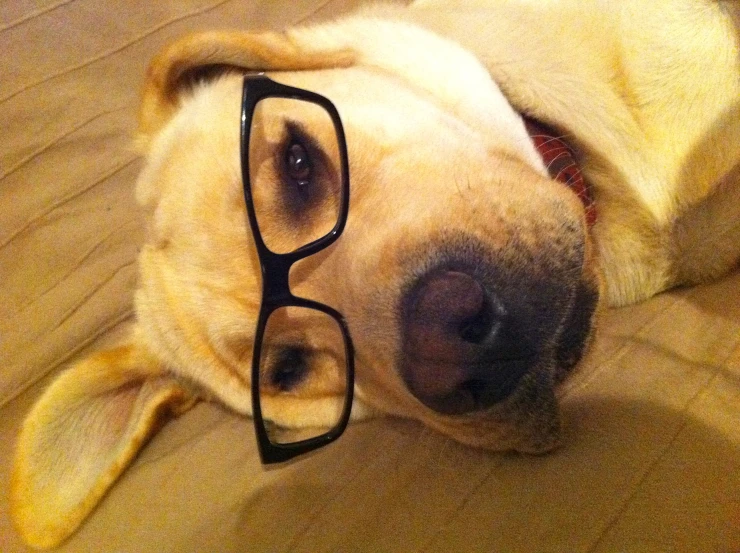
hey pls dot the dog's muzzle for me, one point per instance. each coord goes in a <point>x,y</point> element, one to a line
<point>459,351</point>
<point>469,337</point>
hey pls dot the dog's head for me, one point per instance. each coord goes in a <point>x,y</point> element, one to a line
<point>465,273</point>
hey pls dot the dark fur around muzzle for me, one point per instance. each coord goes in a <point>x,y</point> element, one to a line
<point>476,321</point>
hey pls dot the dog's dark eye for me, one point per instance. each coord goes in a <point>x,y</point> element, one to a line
<point>304,181</point>
<point>298,163</point>
<point>289,369</point>
<point>298,168</point>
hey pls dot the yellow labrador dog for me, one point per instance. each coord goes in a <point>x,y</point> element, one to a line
<point>514,164</point>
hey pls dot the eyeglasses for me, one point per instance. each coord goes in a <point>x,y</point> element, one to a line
<point>295,174</point>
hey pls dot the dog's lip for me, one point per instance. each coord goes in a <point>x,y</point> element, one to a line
<point>528,421</point>
<point>470,398</point>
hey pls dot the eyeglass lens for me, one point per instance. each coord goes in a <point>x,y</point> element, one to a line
<point>302,350</point>
<point>294,172</point>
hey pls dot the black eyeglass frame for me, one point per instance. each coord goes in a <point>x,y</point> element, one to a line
<point>275,267</point>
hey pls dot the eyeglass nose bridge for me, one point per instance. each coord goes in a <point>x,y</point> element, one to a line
<point>275,269</point>
<point>276,279</point>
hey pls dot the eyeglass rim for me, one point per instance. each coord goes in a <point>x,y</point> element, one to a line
<point>271,452</point>
<point>278,294</point>
<point>255,89</point>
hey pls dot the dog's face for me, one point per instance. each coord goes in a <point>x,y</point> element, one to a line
<point>465,273</point>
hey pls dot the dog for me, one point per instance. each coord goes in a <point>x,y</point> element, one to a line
<point>470,273</point>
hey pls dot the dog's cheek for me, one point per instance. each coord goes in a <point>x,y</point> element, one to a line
<point>577,331</point>
<point>580,325</point>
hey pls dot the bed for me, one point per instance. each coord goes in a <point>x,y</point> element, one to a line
<point>651,459</point>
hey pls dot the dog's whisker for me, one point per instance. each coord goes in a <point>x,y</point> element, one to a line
<point>548,138</point>
<point>557,158</point>
<point>567,168</point>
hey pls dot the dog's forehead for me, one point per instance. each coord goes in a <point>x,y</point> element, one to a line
<point>435,69</point>
<point>391,115</point>
<point>378,103</point>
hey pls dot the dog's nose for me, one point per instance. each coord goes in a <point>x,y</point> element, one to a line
<point>459,352</point>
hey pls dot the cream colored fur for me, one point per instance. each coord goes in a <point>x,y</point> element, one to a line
<point>647,91</point>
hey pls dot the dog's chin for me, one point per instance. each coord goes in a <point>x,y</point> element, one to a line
<point>577,333</point>
<point>528,421</point>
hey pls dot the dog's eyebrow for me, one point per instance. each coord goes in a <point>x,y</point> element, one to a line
<point>297,130</point>
<point>289,366</point>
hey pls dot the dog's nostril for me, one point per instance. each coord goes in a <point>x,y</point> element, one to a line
<point>475,387</point>
<point>451,311</point>
<point>448,299</point>
<point>484,324</point>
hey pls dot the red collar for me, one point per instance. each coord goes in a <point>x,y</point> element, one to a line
<point>560,161</point>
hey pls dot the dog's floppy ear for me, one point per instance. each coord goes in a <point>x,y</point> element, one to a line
<point>197,56</point>
<point>82,433</point>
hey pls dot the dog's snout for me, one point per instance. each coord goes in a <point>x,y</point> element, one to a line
<point>459,352</point>
<point>452,309</point>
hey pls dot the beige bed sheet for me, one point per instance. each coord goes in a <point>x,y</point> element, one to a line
<point>652,454</point>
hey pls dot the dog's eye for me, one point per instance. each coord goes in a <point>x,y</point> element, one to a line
<point>298,164</point>
<point>298,168</point>
<point>289,369</point>
<point>305,184</point>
